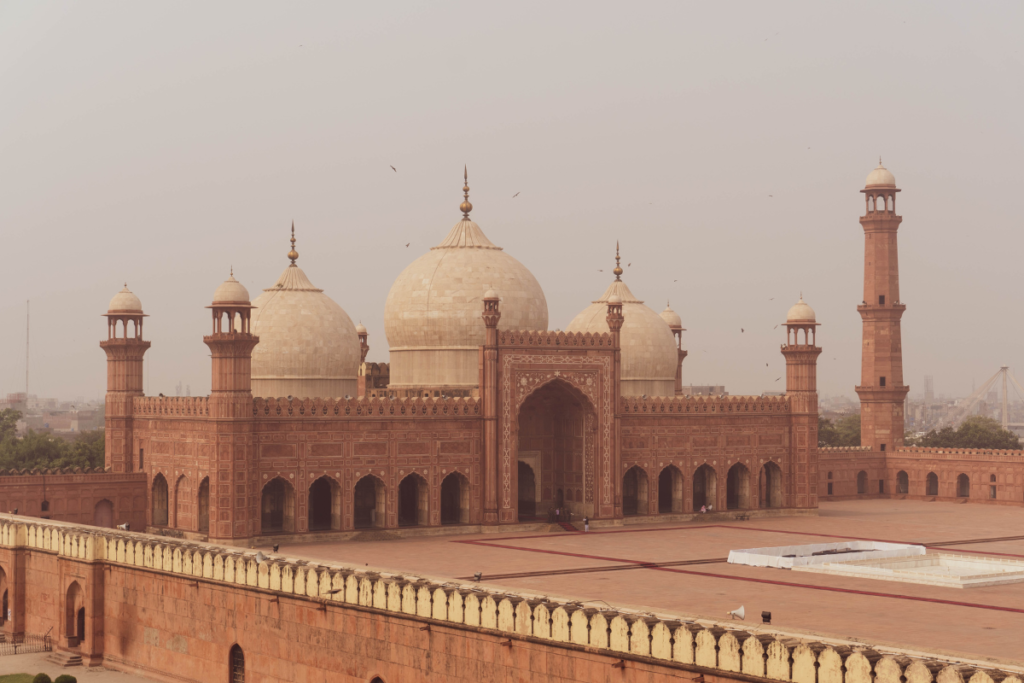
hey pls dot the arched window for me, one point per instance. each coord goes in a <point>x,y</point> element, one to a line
<point>963,486</point>
<point>862,482</point>
<point>277,507</point>
<point>705,487</point>
<point>931,484</point>
<point>634,492</point>
<point>236,661</point>
<point>737,488</point>
<point>159,500</point>
<point>45,505</point>
<point>204,505</point>
<point>902,482</point>
<point>369,503</point>
<point>455,499</point>
<point>670,490</point>
<point>324,505</point>
<point>413,501</point>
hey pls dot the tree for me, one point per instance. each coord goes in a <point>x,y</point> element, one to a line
<point>974,432</point>
<point>8,422</point>
<point>47,451</point>
<point>845,431</point>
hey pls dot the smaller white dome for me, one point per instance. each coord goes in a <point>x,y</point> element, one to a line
<point>615,299</point>
<point>360,329</point>
<point>490,294</point>
<point>800,312</point>
<point>231,291</point>
<point>880,177</point>
<point>125,302</point>
<point>671,317</point>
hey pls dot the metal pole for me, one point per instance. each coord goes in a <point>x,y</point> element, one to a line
<point>27,311</point>
<point>1006,412</point>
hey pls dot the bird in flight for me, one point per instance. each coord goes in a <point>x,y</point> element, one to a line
<point>599,270</point>
<point>776,327</point>
<point>628,265</point>
<point>766,365</point>
<point>771,195</point>
<point>515,195</point>
<point>408,243</point>
<point>777,379</point>
<point>394,169</point>
<point>772,299</point>
<point>742,330</point>
<point>675,281</point>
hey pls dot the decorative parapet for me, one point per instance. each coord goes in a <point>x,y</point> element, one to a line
<point>53,471</point>
<point>555,340</point>
<point>171,406</point>
<point>638,405</point>
<point>366,407</point>
<point>960,453</point>
<point>615,631</point>
<point>844,449</point>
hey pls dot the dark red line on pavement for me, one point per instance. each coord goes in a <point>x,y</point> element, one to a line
<point>832,589</point>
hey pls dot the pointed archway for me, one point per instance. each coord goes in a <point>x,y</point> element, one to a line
<point>670,490</point>
<point>556,436</point>
<point>769,486</point>
<point>705,488</point>
<point>277,507</point>
<point>369,503</point>
<point>737,487</point>
<point>455,499</point>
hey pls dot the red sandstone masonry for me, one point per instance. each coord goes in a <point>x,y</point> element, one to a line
<point>172,610</point>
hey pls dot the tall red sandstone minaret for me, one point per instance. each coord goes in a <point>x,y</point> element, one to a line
<point>124,348</point>
<point>801,351</point>
<point>881,389</point>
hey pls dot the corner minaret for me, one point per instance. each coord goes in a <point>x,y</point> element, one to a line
<point>231,346</point>
<point>801,351</point>
<point>125,349</point>
<point>881,390</point>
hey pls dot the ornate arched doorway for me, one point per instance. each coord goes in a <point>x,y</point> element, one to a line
<point>159,500</point>
<point>369,501</point>
<point>324,509</point>
<point>769,486</point>
<point>556,436</point>
<point>413,500</point>
<point>737,487</point>
<point>705,488</point>
<point>277,507</point>
<point>204,505</point>
<point>634,492</point>
<point>670,490</point>
<point>74,610</point>
<point>455,499</point>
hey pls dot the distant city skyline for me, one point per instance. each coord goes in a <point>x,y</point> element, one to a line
<point>725,151</point>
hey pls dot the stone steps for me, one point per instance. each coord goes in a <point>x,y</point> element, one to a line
<point>65,659</point>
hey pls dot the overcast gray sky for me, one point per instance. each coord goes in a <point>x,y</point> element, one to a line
<point>724,145</point>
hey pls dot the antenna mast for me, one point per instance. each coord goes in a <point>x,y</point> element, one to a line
<point>27,310</point>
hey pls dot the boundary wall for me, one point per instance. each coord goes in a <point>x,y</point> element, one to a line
<point>174,610</point>
<point>994,477</point>
<point>84,496</point>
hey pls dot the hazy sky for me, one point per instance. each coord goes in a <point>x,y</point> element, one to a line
<point>724,145</point>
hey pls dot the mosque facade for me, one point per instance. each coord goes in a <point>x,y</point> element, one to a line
<point>483,416</point>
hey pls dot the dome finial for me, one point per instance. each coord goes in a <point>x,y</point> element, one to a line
<point>293,254</point>
<point>465,207</point>
<point>618,268</point>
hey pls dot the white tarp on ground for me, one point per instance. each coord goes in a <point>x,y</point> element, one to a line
<point>789,556</point>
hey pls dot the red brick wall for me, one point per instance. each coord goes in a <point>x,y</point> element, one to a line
<point>980,466</point>
<point>74,497</point>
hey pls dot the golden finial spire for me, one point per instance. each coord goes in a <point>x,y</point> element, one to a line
<point>232,273</point>
<point>618,268</point>
<point>293,254</point>
<point>465,207</point>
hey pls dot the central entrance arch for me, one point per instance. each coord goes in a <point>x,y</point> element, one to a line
<point>555,445</point>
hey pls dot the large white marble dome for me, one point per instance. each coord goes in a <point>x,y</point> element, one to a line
<point>433,314</point>
<point>649,352</point>
<point>308,344</point>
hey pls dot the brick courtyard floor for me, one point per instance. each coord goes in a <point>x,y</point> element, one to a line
<point>980,623</point>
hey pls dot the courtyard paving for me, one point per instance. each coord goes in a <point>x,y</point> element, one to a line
<point>608,565</point>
